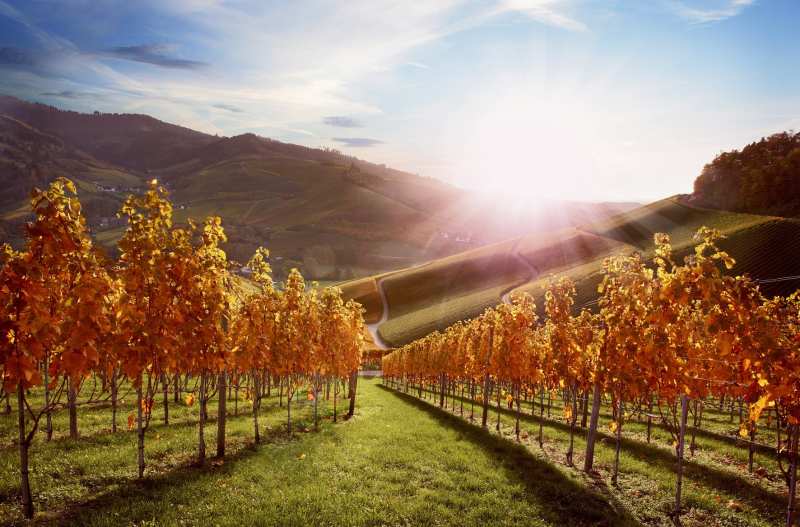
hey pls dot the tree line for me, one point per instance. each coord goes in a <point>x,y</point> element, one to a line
<point>762,178</point>
<point>667,337</point>
<point>167,310</point>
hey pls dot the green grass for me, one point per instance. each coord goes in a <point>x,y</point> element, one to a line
<point>681,221</point>
<point>454,276</point>
<point>440,314</point>
<point>567,248</point>
<point>718,490</point>
<point>112,177</point>
<point>764,249</point>
<point>435,295</point>
<point>393,464</point>
<point>586,276</point>
<point>767,250</point>
<point>399,461</point>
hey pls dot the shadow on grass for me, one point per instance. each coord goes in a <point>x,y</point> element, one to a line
<point>766,502</point>
<point>562,500</point>
<point>144,498</point>
<point>125,491</point>
<point>731,438</point>
<point>105,436</point>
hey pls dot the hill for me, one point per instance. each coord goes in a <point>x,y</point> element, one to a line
<point>334,216</point>
<point>31,158</point>
<point>132,141</point>
<point>434,295</point>
<point>763,178</point>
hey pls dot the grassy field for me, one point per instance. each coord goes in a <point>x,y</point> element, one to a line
<point>399,461</point>
<point>436,294</point>
<point>454,276</point>
<point>438,315</point>
<point>681,221</point>
<point>718,489</point>
<point>433,296</point>
<point>365,292</point>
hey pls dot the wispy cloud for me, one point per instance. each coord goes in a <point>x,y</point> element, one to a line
<point>358,142</point>
<point>228,107</point>
<point>156,54</point>
<point>705,12</point>
<point>341,121</point>
<point>71,94</point>
<point>316,60</point>
<point>550,12</point>
<point>47,40</point>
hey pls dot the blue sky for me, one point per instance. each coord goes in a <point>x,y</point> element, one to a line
<point>571,99</point>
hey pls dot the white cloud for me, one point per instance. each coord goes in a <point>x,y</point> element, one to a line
<point>288,62</point>
<point>548,12</point>
<point>709,11</point>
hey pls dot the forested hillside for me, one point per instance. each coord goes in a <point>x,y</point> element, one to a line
<point>762,178</point>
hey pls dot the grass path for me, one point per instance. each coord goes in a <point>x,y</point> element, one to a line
<point>395,463</point>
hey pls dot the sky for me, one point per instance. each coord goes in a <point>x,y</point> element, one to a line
<point>620,100</point>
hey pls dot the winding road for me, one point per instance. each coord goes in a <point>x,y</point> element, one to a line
<point>505,298</point>
<point>373,328</point>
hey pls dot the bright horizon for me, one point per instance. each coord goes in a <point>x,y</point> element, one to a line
<point>557,99</point>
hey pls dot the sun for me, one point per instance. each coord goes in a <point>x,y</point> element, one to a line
<point>526,144</point>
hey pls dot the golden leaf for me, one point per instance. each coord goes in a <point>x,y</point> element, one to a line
<point>744,432</point>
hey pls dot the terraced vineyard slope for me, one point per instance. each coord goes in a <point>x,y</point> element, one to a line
<point>434,295</point>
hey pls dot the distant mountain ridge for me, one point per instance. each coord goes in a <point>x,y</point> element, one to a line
<point>121,139</point>
<point>333,215</point>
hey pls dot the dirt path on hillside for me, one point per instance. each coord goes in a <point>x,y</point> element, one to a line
<point>533,273</point>
<point>373,328</point>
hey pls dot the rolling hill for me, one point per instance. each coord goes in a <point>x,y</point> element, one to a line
<point>334,216</point>
<point>434,295</point>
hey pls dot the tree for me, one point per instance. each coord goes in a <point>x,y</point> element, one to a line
<point>771,369</point>
<point>626,289</point>
<point>513,333</point>
<point>291,349</point>
<point>56,331</point>
<point>204,287</point>
<point>353,347</point>
<point>569,363</point>
<point>151,264</point>
<point>254,332</point>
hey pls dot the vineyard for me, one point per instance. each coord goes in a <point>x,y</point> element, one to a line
<point>166,325</point>
<point>433,296</point>
<point>669,399</point>
<point>667,341</point>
